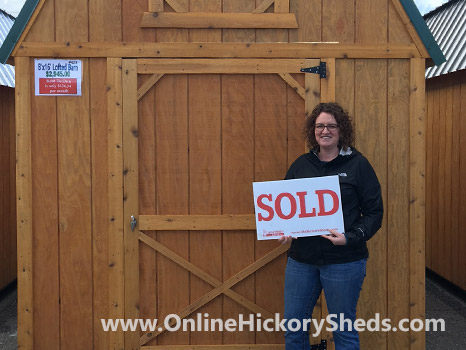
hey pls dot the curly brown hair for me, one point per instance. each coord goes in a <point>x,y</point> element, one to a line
<point>342,118</point>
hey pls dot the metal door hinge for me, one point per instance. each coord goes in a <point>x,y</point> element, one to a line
<point>320,69</point>
<point>321,346</point>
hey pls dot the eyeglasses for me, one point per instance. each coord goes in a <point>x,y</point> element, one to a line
<point>330,127</point>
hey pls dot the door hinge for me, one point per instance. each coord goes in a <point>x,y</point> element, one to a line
<point>320,69</point>
<point>321,346</point>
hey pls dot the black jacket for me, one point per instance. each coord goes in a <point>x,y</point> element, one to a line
<point>361,204</point>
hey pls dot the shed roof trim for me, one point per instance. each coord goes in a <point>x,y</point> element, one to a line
<point>408,5</point>
<point>17,29</point>
<point>424,33</point>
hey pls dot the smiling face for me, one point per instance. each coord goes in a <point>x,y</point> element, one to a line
<point>327,139</point>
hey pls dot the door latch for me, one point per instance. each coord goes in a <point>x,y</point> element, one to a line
<point>133,223</point>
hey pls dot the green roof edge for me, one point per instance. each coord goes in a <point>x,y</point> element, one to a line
<point>17,29</point>
<point>424,32</point>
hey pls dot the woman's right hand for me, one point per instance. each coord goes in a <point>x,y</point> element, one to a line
<point>286,239</point>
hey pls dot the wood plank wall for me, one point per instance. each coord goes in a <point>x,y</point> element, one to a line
<point>72,290</point>
<point>7,187</point>
<point>446,188</point>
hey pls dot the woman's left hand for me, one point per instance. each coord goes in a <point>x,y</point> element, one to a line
<point>335,237</point>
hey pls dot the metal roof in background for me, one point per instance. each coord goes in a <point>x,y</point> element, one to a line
<point>7,72</point>
<point>448,25</point>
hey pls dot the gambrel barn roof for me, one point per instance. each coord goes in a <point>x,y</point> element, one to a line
<point>448,26</point>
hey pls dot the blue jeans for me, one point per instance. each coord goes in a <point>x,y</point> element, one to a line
<point>303,284</point>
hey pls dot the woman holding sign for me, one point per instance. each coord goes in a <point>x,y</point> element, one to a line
<point>335,262</point>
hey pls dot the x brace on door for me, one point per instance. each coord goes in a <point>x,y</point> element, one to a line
<point>205,223</point>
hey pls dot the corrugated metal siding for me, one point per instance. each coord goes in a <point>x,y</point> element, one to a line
<point>7,72</point>
<point>448,25</point>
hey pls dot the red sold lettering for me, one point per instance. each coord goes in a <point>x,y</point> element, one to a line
<point>278,206</point>
<point>303,213</point>
<point>265,207</point>
<point>302,206</point>
<point>336,203</point>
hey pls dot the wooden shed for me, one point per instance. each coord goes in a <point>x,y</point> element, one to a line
<point>7,187</point>
<point>446,130</point>
<point>7,165</point>
<point>184,104</point>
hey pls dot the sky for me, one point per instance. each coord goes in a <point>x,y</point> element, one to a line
<point>425,6</point>
<point>14,6</point>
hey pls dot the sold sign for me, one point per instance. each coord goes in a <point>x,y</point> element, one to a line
<point>298,208</point>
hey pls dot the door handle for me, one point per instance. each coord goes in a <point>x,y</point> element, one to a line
<point>133,223</point>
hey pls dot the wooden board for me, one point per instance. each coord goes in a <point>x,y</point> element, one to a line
<point>456,179</point>
<point>74,192</point>
<point>13,266</point>
<point>216,66</point>
<point>238,35</point>
<point>435,171</point>
<point>46,238</point>
<point>338,21</point>
<point>131,196</point>
<point>104,25</point>
<point>441,132</point>
<point>447,204</point>
<point>116,298</point>
<point>4,192</point>
<point>100,235</point>
<point>370,118</point>
<point>74,189</point>
<point>462,216</point>
<point>218,20</point>
<point>270,154</point>
<point>372,21</point>
<point>308,13</point>
<point>205,175</point>
<point>172,180</point>
<point>417,198</point>
<point>46,233</point>
<point>24,204</point>
<point>8,271</point>
<point>131,32</point>
<point>313,49</point>
<point>397,200</point>
<point>397,27</point>
<point>237,172</point>
<point>429,170</point>
<point>237,175</point>
<point>220,347</point>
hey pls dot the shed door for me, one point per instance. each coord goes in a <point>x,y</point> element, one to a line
<point>196,134</point>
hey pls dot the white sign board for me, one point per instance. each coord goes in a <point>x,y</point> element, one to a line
<point>298,207</point>
<point>58,77</point>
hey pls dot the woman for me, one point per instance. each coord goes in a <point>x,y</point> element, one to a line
<point>335,262</point>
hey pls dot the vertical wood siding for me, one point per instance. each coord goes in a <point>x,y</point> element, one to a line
<point>45,203</point>
<point>445,211</point>
<point>202,141</point>
<point>7,187</point>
